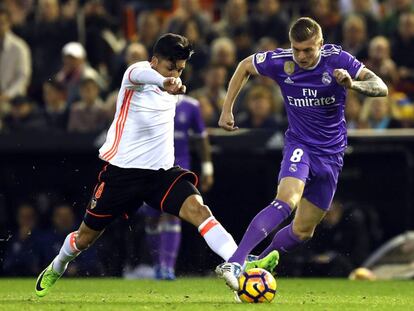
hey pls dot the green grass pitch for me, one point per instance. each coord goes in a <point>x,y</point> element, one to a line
<point>204,294</point>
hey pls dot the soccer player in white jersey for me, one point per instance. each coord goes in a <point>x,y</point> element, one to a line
<point>139,156</point>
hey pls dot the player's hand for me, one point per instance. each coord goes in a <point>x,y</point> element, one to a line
<point>343,78</point>
<point>174,86</point>
<point>227,121</point>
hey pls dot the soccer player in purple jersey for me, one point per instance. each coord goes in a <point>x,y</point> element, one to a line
<point>314,78</point>
<point>163,231</point>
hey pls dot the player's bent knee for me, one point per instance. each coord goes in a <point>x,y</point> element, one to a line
<point>291,198</point>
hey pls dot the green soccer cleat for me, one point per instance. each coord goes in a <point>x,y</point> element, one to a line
<point>46,280</point>
<point>268,263</point>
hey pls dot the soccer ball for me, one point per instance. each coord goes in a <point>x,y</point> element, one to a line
<point>256,285</point>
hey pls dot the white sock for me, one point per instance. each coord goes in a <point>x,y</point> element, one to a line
<point>217,238</point>
<point>67,253</point>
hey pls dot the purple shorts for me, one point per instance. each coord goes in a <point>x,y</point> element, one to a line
<point>319,172</point>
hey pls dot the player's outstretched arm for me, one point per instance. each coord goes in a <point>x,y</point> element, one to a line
<point>237,81</point>
<point>368,83</point>
<point>151,76</point>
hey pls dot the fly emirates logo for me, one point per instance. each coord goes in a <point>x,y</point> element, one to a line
<point>310,98</point>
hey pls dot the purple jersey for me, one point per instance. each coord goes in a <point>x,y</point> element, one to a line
<point>187,121</point>
<point>314,102</point>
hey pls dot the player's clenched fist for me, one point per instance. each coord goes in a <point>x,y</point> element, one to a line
<point>174,85</point>
<point>343,78</point>
<point>227,121</point>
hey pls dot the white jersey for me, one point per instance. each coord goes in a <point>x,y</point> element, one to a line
<point>142,133</point>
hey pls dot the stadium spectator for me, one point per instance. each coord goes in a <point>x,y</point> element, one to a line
<point>376,113</point>
<point>55,110</point>
<point>395,8</point>
<point>402,51</point>
<point>368,9</point>
<point>46,34</point>
<point>379,60</point>
<point>75,69</point>
<point>326,14</point>
<point>22,256</point>
<point>24,116</point>
<point>15,61</point>
<point>89,114</point>
<point>354,36</point>
<point>99,27</point>
<point>149,28</point>
<point>243,40</point>
<point>211,95</point>
<point>193,76</point>
<point>223,52</point>
<point>234,15</point>
<point>260,110</point>
<point>189,9</point>
<point>270,21</point>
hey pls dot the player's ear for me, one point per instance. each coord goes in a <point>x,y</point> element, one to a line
<point>154,61</point>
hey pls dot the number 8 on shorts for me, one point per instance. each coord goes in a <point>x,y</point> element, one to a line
<point>296,155</point>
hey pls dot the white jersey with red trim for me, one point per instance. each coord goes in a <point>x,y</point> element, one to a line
<point>142,133</point>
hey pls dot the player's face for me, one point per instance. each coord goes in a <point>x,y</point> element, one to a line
<point>168,68</point>
<point>306,53</point>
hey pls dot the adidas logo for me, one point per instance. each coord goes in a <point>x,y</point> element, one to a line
<point>289,80</point>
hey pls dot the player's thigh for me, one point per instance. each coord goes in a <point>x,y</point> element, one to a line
<point>321,187</point>
<point>116,194</point>
<point>307,217</point>
<point>294,172</point>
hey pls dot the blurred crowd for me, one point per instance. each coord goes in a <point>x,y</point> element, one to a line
<point>62,60</point>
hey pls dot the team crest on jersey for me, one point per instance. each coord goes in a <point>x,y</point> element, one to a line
<point>293,168</point>
<point>289,67</point>
<point>260,57</point>
<point>326,78</point>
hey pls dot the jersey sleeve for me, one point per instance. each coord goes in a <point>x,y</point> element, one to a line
<point>142,73</point>
<point>350,63</point>
<point>262,62</point>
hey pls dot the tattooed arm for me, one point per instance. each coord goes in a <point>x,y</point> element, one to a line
<point>368,83</point>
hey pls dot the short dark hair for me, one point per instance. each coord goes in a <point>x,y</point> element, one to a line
<point>173,47</point>
<point>304,29</point>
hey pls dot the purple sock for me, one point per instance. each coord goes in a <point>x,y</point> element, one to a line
<point>284,240</point>
<point>153,239</point>
<point>261,225</point>
<point>170,243</point>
